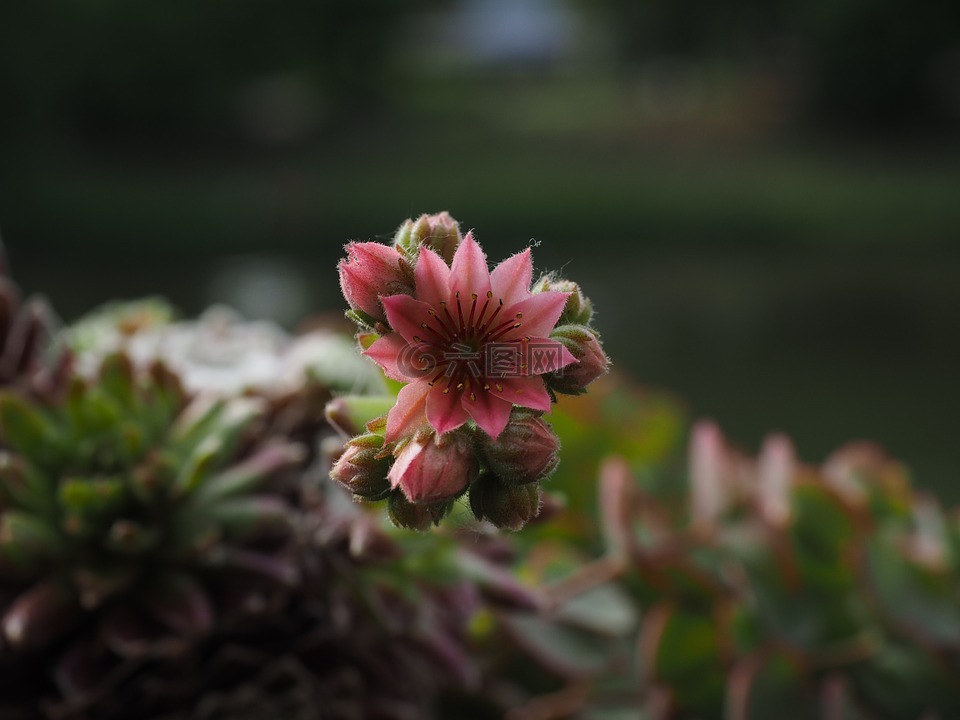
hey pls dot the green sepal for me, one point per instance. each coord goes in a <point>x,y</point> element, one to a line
<point>361,319</point>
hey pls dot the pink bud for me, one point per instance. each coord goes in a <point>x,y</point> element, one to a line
<point>525,451</point>
<point>435,468</point>
<point>370,271</point>
<point>592,361</point>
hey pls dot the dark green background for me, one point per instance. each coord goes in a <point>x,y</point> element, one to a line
<point>763,199</point>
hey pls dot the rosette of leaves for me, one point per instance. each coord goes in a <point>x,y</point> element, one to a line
<point>222,353</point>
<point>132,520</point>
<point>27,361</point>
<point>776,589</point>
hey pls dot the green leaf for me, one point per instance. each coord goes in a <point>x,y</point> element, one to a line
<point>249,474</point>
<point>91,497</point>
<point>761,687</point>
<point>26,541</point>
<point>351,413</point>
<point>250,517</point>
<point>684,653</point>
<point>22,427</point>
<point>25,487</point>
<point>116,378</point>
<point>568,651</point>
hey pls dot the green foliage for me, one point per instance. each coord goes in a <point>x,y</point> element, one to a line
<point>773,589</point>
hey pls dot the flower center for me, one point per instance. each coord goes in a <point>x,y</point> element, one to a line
<point>460,335</point>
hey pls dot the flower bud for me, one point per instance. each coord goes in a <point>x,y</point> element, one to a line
<point>524,452</point>
<point>361,471</point>
<point>435,468</point>
<point>591,363</point>
<point>419,516</point>
<point>506,506</point>
<point>578,310</point>
<point>372,270</point>
<point>439,232</point>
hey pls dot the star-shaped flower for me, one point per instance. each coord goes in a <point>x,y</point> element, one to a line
<point>470,343</point>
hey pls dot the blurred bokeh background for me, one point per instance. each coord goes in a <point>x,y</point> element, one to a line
<point>762,198</point>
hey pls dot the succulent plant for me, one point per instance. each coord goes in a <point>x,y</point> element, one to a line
<point>771,588</point>
<point>476,357</point>
<point>131,519</point>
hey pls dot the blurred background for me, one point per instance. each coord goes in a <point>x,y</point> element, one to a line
<point>761,197</point>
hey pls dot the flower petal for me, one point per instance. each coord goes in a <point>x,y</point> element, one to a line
<point>406,316</point>
<point>409,414</point>
<point>433,278</point>
<point>469,273</point>
<point>489,412</point>
<point>510,280</point>
<point>445,411</point>
<point>399,359</point>
<point>530,392</point>
<point>545,355</point>
<point>540,313</point>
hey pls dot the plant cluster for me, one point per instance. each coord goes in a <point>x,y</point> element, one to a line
<point>478,358</point>
<point>771,588</point>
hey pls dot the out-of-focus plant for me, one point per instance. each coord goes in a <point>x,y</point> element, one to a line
<point>28,359</point>
<point>477,357</point>
<point>771,588</point>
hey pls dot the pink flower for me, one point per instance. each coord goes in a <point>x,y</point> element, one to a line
<point>470,343</point>
<point>370,271</point>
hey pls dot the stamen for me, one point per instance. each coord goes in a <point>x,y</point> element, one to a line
<point>492,318</point>
<point>473,396</point>
<point>473,309</point>
<point>460,313</point>
<point>499,387</point>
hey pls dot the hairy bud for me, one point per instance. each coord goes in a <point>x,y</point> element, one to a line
<point>592,361</point>
<point>361,471</point>
<point>439,232</point>
<point>416,516</point>
<point>526,450</point>
<point>578,310</point>
<point>370,271</point>
<point>509,507</point>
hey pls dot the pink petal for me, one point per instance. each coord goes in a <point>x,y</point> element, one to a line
<point>510,280</point>
<point>529,392</point>
<point>445,411</point>
<point>400,359</point>
<point>546,355</point>
<point>540,313</point>
<point>489,412</point>
<point>409,414</point>
<point>469,273</point>
<point>433,278</point>
<point>406,316</point>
